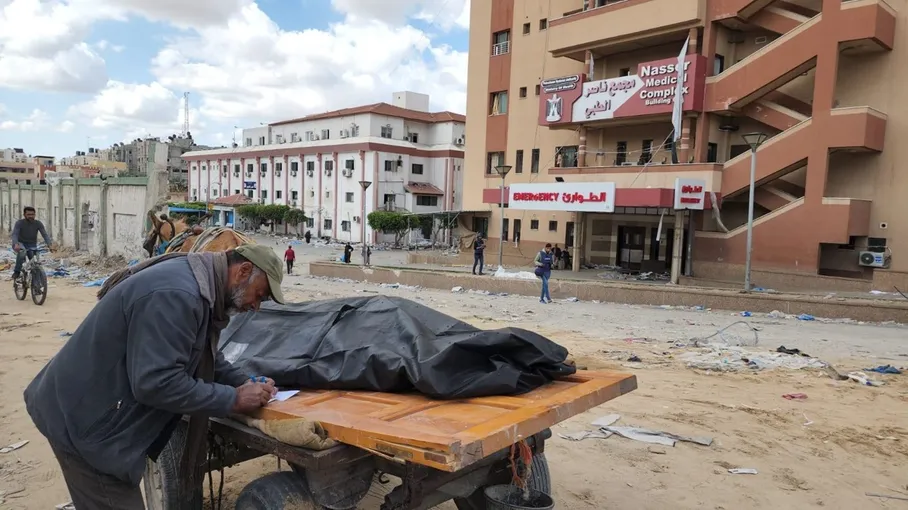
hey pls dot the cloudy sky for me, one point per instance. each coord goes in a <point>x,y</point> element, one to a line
<point>79,73</point>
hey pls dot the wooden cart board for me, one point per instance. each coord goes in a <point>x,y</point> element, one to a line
<point>448,435</point>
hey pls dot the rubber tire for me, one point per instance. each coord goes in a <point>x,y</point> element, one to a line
<point>168,471</point>
<point>277,491</point>
<point>540,480</point>
<point>25,284</point>
<point>39,279</point>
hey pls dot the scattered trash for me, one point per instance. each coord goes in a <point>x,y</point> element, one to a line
<point>571,300</point>
<point>746,314</point>
<point>795,396</point>
<point>457,290</point>
<point>884,369</point>
<point>806,317</point>
<point>807,421</point>
<point>586,434</point>
<point>656,436</point>
<point>95,283</point>
<point>730,358</point>
<point>743,471</point>
<point>64,334</point>
<point>885,496</point>
<point>14,446</point>
<point>519,275</point>
<point>607,420</point>
<point>793,352</point>
<point>65,506</point>
<point>635,359</point>
<point>658,450</point>
<point>835,374</point>
<point>862,378</point>
<point>728,337</point>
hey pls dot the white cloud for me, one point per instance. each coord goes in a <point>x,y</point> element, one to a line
<point>35,121</point>
<point>444,13</point>
<point>125,106</point>
<point>66,126</point>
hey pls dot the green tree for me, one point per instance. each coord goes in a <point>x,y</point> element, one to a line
<point>388,222</point>
<point>294,217</point>
<point>254,212</point>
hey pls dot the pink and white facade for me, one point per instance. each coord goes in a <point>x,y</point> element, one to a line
<point>413,160</point>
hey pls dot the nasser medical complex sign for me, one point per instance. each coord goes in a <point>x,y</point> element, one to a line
<point>570,99</point>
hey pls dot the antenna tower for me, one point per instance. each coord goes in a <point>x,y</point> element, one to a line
<point>185,113</point>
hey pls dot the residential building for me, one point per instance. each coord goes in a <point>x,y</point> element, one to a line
<point>144,155</point>
<point>17,166</point>
<point>577,97</point>
<point>411,159</point>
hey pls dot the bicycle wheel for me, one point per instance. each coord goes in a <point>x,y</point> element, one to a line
<point>20,286</point>
<point>39,286</point>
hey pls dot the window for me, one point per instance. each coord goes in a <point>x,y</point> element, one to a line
<point>349,164</point>
<point>249,142</point>
<point>416,168</point>
<point>718,64</point>
<point>427,200</point>
<point>294,195</point>
<point>328,224</point>
<point>621,153</point>
<point>264,193</point>
<point>261,140</point>
<point>566,157</point>
<point>501,42</point>
<point>498,103</point>
<point>264,167</point>
<point>237,192</point>
<point>329,165</point>
<point>236,169</point>
<point>250,168</point>
<point>523,92</point>
<point>310,165</point>
<point>526,28</point>
<point>354,130</point>
<point>386,131</point>
<point>278,167</point>
<point>294,166</point>
<point>389,166</point>
<point>413,137</point>
<point>278,194</point>
<point>534,161</point>
<point>204,168</point>
<point>345,226</point>
<point>223,192</point>
<point>327,193</point>
<point>543,24</point>
<point>349,197</point>
<point>388,199</point>
<point>712,152</point>
<point>538,89</point>
<point>249,193</point>
<point>534,224</point>
<point>326,134</point>
<point>553,226</point>
<point>494,159</point>
<point>294,137</point>
<point>518,162</point>
<point>625,71</point>
<point>310,136</point>
<point>646,152</point>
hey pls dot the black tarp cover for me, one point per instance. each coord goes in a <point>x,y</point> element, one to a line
<point>388,344</point>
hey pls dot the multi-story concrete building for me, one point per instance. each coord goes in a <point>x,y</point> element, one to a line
<point>577,97</point>
<point>17,166</point>
<point>412,160</point>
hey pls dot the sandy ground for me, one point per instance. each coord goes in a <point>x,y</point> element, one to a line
<point>857,440</point>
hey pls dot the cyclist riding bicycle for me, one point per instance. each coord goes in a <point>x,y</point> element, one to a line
<point>25,238</point>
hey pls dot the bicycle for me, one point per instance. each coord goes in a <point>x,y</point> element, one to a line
<point>32,276</point>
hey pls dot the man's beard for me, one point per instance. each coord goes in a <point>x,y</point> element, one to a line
<point>238,294</point>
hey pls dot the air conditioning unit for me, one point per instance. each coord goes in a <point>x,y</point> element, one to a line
<point>277,173</point>
<point>459,141</point>
<point>343,133</point>
<point>248,174</point>
<point>357,219</point>
<point>328,172</point>
<point>264,173</point>
<point>224,173</point>
<point>311,193</point>
<point>293,173</point>
<point>236,174</point>
<point>293,203</point>
<point>310,172</point>
<point>348,173</point>
<point>261,200</point>
<point>314,137</point>
<point>874,259</point>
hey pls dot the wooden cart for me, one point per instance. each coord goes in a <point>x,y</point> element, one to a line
<point>439,450</point>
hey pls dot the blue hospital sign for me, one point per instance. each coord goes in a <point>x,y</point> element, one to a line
<point>248,184</point>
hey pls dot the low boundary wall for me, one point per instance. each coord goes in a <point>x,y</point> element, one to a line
<point>869,310</point>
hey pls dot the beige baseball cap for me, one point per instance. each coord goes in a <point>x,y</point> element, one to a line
<point>264,258</point>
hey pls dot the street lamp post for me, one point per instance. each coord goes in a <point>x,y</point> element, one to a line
<point>754,140</point>
<point>365,185</point>
<point>503,172</point>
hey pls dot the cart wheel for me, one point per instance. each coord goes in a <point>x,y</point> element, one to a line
<point>540,480</point>
<point>277,491</point>
<point>162,478</point>
<point>20,287</point>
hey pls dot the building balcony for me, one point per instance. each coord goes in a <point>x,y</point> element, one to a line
<point>617,23</point>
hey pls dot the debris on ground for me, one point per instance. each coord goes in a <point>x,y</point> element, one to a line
<point>806,317</point>
<point>606,429</point>
<point>884,369</point>
<point>793,352</point>
<point>732,358</point>
<point>501,272</point>
<point>743,471</point>
<point>795,396</point>
<point>885,496</point>
<point>862,378</point>
<point>14,446</point>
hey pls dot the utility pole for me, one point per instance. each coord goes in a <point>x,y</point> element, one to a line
<point>185,114</point>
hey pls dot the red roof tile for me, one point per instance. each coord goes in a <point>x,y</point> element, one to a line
<point>423,188</point>
<point>238,199</point>
<point>381,109</point>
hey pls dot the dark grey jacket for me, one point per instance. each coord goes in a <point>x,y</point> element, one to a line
<point>114,392</point>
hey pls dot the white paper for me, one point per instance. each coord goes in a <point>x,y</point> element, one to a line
<point>283,395</point>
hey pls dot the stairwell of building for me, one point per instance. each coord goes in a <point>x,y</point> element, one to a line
<point>794,222</point>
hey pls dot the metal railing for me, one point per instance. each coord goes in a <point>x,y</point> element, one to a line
<point>501,48</point>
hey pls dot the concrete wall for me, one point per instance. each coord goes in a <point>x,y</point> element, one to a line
<point>104,218</point>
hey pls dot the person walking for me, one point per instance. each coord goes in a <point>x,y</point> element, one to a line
<point>348,253</point>
<point>145,356</point>
<point>543,265</point>
<point>308,236</point>
<point>289,256</point>
<point>479,247</point>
